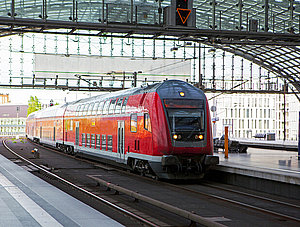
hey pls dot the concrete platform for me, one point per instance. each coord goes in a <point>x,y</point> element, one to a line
<point>269,144</point>
<point>26,200</point>
<point>272,171</point>
<point>276,165</point>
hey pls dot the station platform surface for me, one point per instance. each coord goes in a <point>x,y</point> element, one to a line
<point>276,144</point>
<point>276,165</point>
<point>26,200</point>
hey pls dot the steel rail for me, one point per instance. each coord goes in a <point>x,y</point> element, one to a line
<point>254,196</point>
<point>81,189</point>
<point>237,203</point>
<point>224,199</point>
<point>183,213</point>
<point>180,212</point>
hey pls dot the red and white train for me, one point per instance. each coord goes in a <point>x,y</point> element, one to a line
<point>162,129</point>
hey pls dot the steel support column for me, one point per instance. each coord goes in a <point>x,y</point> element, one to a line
<point>291,19</point>
<point>213,4</point>
<point>240,4</point>
<point>266,6</point>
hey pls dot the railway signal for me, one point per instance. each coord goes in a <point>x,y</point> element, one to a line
<point>180,13</point>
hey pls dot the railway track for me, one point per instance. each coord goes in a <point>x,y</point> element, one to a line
<point>81,189</point>
<point>194,218</point>
<point>289,208</point>
<point>256,203</point>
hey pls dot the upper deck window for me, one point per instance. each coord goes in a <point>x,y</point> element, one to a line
<point>80,110</point>
<point>90,109</point>
<point>77,110</point>
<point>100,108</point>
<point>123,109</point>
<point>95,108</point>
<point>105,108</point>
<point>85,109</point>
<point>118,106</point>
<point>112,106</point>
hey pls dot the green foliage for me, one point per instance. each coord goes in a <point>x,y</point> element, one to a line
<point>33,105</point>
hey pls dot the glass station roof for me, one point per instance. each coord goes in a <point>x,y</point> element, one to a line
<point>251,26</point>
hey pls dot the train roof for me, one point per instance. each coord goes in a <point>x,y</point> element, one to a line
<point>52,111</point>
<point>165,89</point>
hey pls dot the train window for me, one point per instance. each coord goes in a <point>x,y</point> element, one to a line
<point>98,141</point>
<point>90,109</point>
<point>71,125</point>
<point>104,142</point>
<point>93,140</point>
<point>83,139</point>
<point>133,122</point>
<point>85,109</point>
<point>112,106</point>
<point>147,123</point>
<point>105,108</point>
<point>88,140</point>
<point>100,108</point>
<point>77,111</point>
<point>118,106</point>
<point>94,111</point>
<point>109,142</point>
<point>123,109</point>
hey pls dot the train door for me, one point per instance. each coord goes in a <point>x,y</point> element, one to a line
<point>121,139</point>
<point>77,133</point>
<point>54,134</point>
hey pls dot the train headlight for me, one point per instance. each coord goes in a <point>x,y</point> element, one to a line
<point>181,94</point>
<point>199,137</point>
<point>176,137</point>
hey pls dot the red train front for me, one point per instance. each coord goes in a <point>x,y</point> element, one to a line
<point>163,129</point>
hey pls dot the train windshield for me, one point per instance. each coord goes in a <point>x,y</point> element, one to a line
<point>187,116</point>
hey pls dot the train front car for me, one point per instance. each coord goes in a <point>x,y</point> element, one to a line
<point>182,135</point>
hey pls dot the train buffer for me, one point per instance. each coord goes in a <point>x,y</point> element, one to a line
<point>233,145</point>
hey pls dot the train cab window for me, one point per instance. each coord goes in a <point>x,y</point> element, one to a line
<point>94,111</point>
<point>133,122</point>
<point>118,105</point>
<point>123,109</point>
<point>104,142</point>
<point>83,139</point>
<point>109,142</point>
<point>105,108</point>
<point>90,109</point>
<point>112,106</point>
<point>93,140</point>
<point>88,140</point>
<point>98,141</point>
<point>100,108</point>
<point>85,109</point>
<point>147,123</point>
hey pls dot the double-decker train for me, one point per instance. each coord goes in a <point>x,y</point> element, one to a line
<point>163,129</point>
